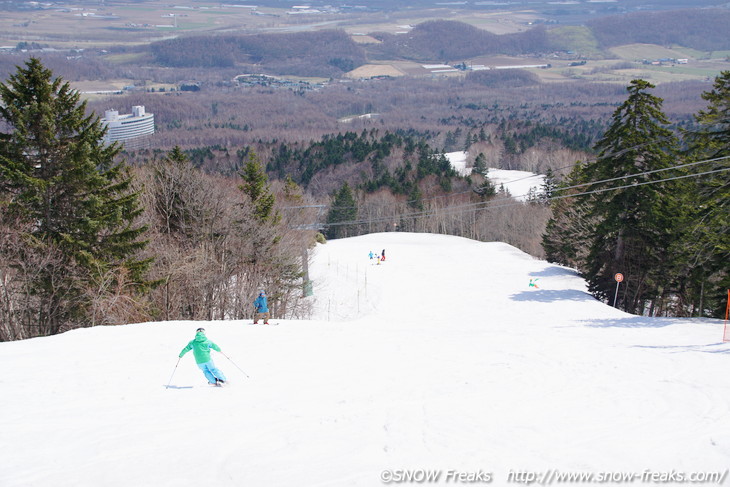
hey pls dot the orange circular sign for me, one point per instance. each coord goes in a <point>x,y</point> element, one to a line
<point>619,277</point>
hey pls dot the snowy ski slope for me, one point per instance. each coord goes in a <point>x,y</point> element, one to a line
<point>442,359</point>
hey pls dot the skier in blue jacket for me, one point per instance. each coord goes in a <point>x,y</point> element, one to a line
<point>201,346</point>
<point>262,308</point>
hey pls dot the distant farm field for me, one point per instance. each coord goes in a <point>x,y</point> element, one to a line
<point>102,27</point>
<point>498,23</point>
<point>374,70</point>
<point>577,39</point>
<point>645,51</point>
<point>102,24</point>
<point>125,58</point>
<point>364,39</point>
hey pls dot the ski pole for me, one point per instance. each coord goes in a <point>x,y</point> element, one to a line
<point>234,363</point>
<point>173,373</point>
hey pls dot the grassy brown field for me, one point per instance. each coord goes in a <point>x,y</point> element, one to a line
<point>373,70</point>
<point>364,39</point>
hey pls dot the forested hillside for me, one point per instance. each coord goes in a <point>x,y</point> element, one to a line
<point>244,116</point>
<point>444,40</point>
<point>324,53</point>
<point>507,78</point>
<point>375,158</point>
<point>367,160</point>
<point>702,29</point>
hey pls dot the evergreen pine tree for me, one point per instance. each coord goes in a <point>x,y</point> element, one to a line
<point>714,136</point>
<point>634,227</point>
<point>257,188</point>
<point>482,135</point>
<point>343,209</point>
<point>56,173</point>
<point>566,236</point>
<point>292,191</point>
<point>707,249</point>
<point>415,198</point>
<point>549,185</point>
<point>480,165</point>
<point>486,189</point>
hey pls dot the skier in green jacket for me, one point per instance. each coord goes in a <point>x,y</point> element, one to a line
<point>201,346</point>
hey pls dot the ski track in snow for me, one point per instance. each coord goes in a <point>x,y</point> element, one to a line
<point>442,357</point>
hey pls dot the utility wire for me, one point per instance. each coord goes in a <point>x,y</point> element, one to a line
<point>592,183</point>
<point>486,205</point>
<point>604,156</point>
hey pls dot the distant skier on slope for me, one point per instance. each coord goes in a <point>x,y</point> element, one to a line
<point>262,309</point>
<point>201,346</point>
<point>382,256</point>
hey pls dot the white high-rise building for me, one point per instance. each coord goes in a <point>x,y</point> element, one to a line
<point>131,129</point>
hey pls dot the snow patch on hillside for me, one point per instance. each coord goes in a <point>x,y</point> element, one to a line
<point>518,183</point>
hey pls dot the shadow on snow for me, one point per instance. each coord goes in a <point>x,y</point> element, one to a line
<point>549,296</point>
<point>633,322</point>
<point>709,348</point>
<point>554,271</point>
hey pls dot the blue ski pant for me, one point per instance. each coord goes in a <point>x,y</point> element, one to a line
<point>211,371</point>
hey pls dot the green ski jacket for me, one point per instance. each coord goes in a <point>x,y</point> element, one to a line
<point>200,346</point>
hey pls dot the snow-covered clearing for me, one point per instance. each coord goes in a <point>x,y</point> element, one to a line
<point>518,183</point>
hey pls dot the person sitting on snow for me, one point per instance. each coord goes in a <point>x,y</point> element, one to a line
<point>201,346</point>
<point>262,309</point>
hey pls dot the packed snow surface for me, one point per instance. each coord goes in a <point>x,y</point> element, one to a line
<point>442,358</point>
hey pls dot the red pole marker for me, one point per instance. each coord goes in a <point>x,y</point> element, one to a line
<point>618,277</point>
